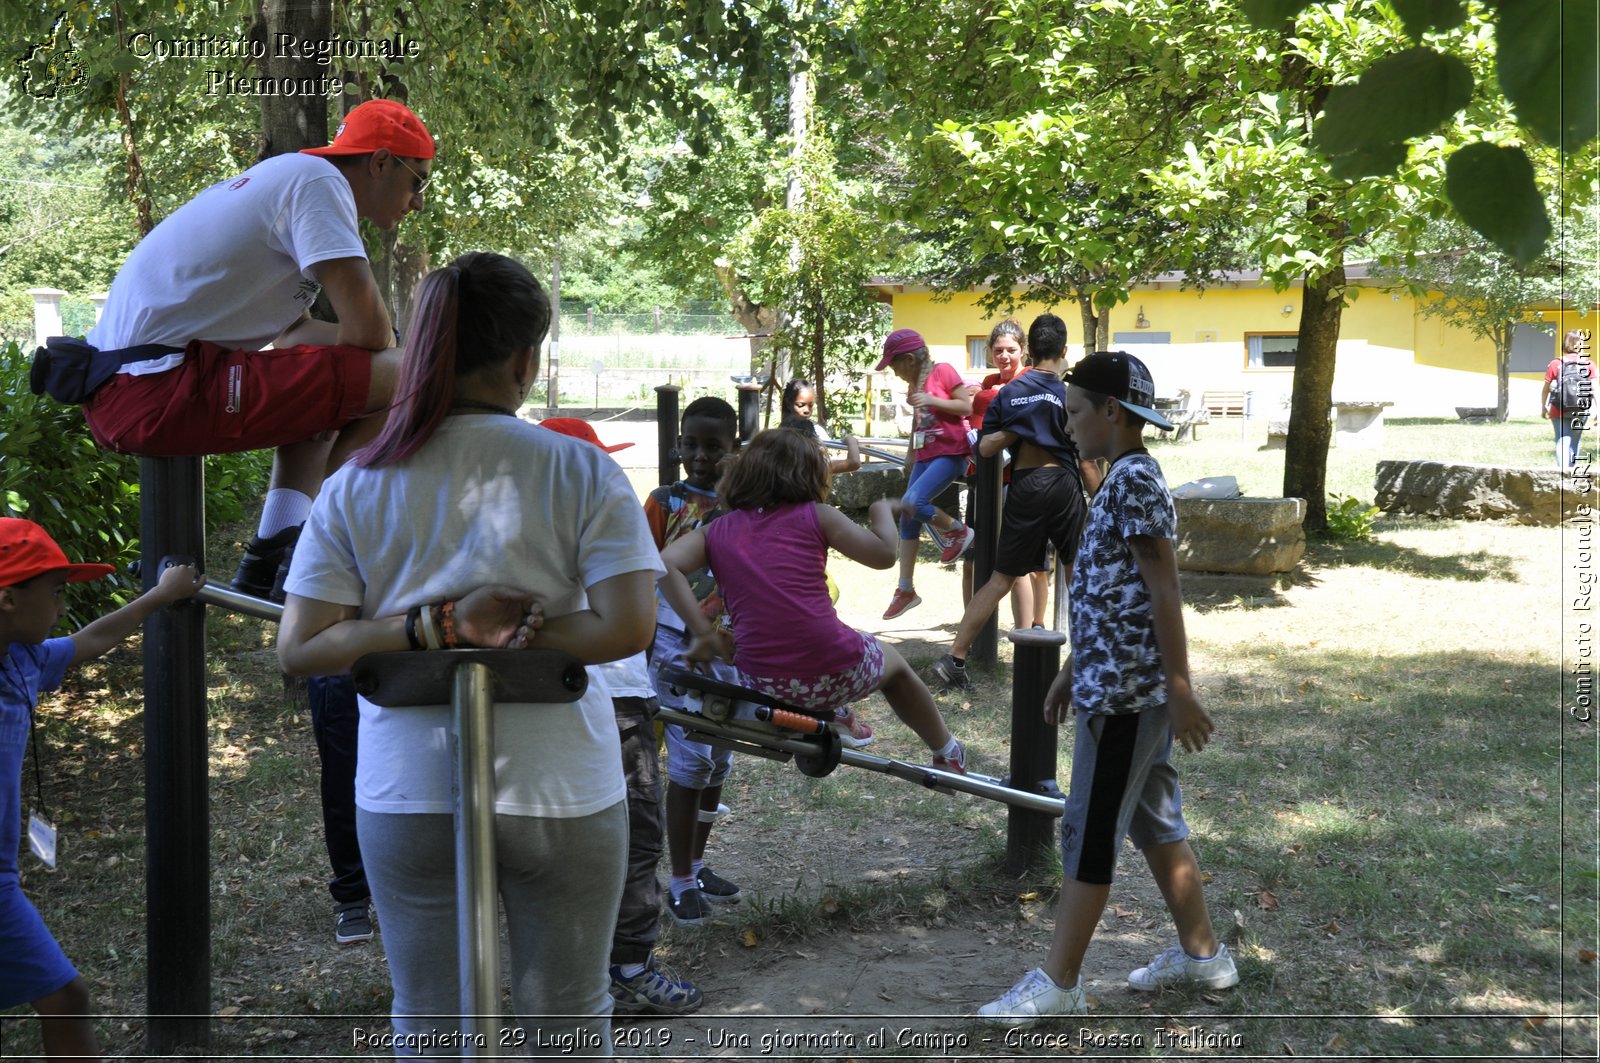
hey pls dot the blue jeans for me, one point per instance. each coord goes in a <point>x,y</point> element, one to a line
<point>1569,431</point>
<point>928,480</point>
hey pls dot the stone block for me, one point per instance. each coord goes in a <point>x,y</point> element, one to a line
<point>853,492</point>
<point>1277,435</point>
<point>1250,536</point>
<point>1481,492</point>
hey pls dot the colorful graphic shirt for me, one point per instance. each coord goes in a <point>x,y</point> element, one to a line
<point>1116,665</point>
<point>673,511</point>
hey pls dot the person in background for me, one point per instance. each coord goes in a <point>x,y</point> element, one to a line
<point>640,984</point>
<point>1568,395</point>
<point>800,400</point>
<point>941,402</point>
<point>1008,350</point>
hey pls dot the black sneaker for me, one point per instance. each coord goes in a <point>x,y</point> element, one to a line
<point>258,568</point>
<point>717,889</point>
<point>951,673</point>
<point>352,923</point>
<point>689,908</point>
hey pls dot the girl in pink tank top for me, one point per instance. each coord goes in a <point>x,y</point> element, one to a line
<point>769,555</point>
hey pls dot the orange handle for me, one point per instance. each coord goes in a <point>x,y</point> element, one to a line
<point>791,721</point>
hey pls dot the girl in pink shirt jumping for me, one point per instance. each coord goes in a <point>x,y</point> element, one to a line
<point>769,554</point>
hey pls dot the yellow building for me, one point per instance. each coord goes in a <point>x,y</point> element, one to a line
<point>1239,335</point>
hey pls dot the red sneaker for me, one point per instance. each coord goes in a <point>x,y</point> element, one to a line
<point>956,763</point>
<point>961,540</point>
<point>901,601</point>
<point>852,731</point>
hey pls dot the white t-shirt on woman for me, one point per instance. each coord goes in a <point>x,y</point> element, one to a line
<point>488,500</point>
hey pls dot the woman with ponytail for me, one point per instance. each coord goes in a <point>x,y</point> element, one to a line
<point>463,525</point>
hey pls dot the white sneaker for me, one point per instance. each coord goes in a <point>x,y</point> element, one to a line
<point>1035,997</point>
<point>1173,966</point>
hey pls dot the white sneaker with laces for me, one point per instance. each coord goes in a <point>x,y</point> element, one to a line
<point>1035,997</point>
<point>1173,966</point>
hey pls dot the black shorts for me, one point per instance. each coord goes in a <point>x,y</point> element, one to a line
<point>1043,505</point>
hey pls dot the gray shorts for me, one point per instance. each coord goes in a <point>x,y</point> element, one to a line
<point>1123,786</point>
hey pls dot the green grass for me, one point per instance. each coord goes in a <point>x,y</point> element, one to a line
<point>1219,451</point>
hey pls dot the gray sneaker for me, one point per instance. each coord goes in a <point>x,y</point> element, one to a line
<point>653,991</point>
<point>1035,997</point>
<point>1173,966</point>
<point>352,923</point>
<point>951,673</point>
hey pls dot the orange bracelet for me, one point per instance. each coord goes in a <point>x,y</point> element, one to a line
<point>447,620</point>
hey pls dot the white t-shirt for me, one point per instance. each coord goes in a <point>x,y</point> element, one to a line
<point>488,500</point>
<point>230,265</point>
<point>627,678</point>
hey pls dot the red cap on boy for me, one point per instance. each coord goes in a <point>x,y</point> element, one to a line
<point>26,551</point>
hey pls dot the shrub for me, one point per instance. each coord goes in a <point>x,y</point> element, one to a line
<point>51,472</point>
<point>1349,518</point>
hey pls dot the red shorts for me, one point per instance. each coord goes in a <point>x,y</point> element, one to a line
<point>219,401</point>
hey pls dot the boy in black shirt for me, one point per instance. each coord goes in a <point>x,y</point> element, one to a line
<point>1045,500</point>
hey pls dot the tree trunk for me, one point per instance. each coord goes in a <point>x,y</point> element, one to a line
<point>1305,460</point>
<point>289,123</point>
<point>1503,338</point>
<point>1091,322</point>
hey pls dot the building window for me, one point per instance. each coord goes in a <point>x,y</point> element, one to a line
<point>978,352</point>
<point>1271,350</point>
<point>1532,347</point>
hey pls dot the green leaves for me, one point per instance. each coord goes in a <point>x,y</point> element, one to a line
<point>1430,16</point>
<point>1548,67</point>
<point>1268,14</point>
<point>1494,192</point>
<point>1399,97</point>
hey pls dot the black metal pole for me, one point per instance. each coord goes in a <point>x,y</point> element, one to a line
<point>1029,835</point>
<point>985,507</point>
<point>667,433</point>
<point>176,785</point>
<point>749,411</point>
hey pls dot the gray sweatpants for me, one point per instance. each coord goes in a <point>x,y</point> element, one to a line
<point>560,884</point>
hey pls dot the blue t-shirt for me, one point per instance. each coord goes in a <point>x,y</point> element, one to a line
<point>26,671</point>
<point>1034,406</point>
<point>1116,664</point>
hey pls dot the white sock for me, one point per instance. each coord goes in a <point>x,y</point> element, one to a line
<point>950,750</point>
<point>631,970</point>
<point>284,508</point>
<point>678,885</point>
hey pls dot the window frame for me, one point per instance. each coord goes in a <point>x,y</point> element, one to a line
<point>1252,367</point>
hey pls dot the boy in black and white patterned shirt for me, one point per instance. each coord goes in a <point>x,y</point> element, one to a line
<point>1129,687</point>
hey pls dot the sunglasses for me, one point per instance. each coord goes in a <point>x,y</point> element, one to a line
<point>422,182</point>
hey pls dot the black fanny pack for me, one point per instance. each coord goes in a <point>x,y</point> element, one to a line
<point>70,370</point>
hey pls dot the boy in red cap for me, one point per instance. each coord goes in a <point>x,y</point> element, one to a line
<point>33,576</point>
<point>180,347</point>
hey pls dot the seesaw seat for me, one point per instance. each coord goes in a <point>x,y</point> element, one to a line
<point>807,737</point>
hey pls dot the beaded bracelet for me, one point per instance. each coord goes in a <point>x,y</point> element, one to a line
<point>447,619</point>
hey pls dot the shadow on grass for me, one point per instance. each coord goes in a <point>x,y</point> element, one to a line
<point>1474,566</point>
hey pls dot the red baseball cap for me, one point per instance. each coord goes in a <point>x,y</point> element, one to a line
<point>579,429</point>
<point>26,551</point>
<point>379,124</point>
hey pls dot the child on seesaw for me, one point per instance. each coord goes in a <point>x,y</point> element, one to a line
<point>34,574</point>
<point>769,554</point>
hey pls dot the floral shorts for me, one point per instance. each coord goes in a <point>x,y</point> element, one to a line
<point>823,692</point>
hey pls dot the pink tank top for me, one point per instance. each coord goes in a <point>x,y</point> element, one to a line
<point>771,565</point>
